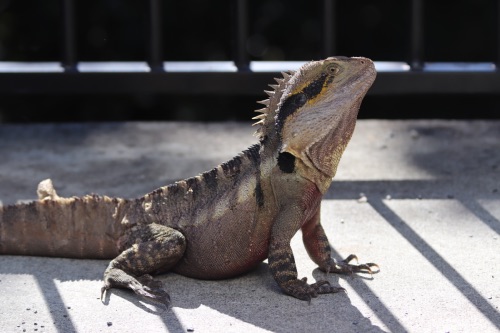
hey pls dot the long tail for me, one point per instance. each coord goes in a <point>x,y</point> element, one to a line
<point>77,227</point>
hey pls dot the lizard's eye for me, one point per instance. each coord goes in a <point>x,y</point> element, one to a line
<point>332,69</point>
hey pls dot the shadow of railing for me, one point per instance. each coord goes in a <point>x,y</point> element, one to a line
<point>376,191</point>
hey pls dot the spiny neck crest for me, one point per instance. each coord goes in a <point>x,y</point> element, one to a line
<point>267,114</point>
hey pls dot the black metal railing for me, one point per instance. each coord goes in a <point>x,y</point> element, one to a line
<point>240,75</point>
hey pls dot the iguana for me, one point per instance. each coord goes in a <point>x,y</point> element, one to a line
<point>225,221</point>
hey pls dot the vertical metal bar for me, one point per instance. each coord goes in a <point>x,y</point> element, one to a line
<point>498,36</point>
<point>329,28</point>
<point>417,35</point>
<point>155,54</point>
<point>69,60</point>
<point>240,35</point>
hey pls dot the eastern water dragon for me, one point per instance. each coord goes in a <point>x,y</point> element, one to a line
<point>225,221</point>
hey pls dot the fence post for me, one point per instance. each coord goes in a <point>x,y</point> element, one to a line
<point>240,35</point>
<point>417,35</point>
<point>69,61</point>
<point>329,28</point>
<point>497,64</point>
<point>155,52</point>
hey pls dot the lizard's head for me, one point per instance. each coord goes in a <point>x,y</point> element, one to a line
<point>318,108</point>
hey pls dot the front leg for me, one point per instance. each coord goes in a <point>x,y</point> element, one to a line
<point>284,271</point>
<point>282,262</point>
<point>318,248</point>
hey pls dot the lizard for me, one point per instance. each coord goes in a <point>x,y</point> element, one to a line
<point>225,221</point>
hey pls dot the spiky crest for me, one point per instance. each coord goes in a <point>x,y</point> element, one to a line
<point>266,117</point>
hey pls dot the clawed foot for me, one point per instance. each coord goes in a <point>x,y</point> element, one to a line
<point>304,291</point>
<point>144,286</point>
<point>345,267</point>
<point>152,289</point>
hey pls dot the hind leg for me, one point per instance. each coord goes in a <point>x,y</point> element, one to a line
<point>150,249</point>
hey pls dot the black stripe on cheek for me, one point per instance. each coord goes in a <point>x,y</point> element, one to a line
<point>291,104</point>
<point>294,102</point>
<point>315,88</point>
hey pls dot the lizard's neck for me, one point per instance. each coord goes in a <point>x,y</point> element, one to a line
<point>323,157</point>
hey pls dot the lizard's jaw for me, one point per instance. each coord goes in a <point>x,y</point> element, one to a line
<point>329,123</point>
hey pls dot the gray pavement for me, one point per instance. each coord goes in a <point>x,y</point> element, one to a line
<point>420,198</point>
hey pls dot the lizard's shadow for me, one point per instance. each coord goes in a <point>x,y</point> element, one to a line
<point>255,298</point>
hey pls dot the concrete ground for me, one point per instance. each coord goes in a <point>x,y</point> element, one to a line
<point>420,198</point>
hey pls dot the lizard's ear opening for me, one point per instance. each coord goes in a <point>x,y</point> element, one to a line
<point>286,162</point>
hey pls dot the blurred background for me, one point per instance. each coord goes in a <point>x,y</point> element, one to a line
<point>33,31</point>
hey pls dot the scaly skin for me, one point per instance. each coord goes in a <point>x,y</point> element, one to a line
<point>225,221</point>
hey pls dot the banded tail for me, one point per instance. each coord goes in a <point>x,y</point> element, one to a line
<point>76,227</point>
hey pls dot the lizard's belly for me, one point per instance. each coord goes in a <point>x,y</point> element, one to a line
<point>219,269</point>
<point>208,256</point>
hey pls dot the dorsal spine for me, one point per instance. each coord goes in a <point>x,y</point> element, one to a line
<point>266,118</point>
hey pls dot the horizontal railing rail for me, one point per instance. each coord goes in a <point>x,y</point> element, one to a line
<point>241,75</point>
<point>226,78</point>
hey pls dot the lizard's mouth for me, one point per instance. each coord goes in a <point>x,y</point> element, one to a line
<point>359,84</point>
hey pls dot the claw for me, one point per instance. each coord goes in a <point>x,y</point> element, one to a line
<point>103,292</point>
<point>362,268</point>
<point>350,258</point>
<point>368,268</point>
<point>370,265</point>
<point>345,267</point>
